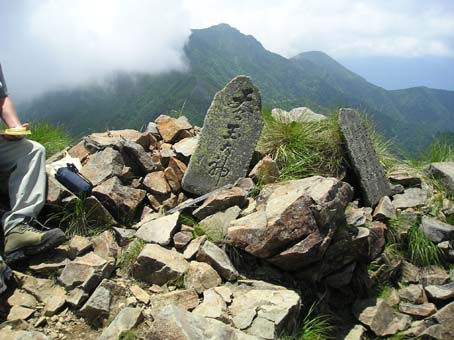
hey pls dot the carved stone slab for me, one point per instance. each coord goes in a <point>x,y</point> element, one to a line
<point>230,132</point>
<point>363,158</point>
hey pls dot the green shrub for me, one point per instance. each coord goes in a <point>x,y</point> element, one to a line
<point>304,149</point>
<point>53,138</point>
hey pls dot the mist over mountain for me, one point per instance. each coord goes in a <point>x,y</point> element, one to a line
<point>412,117</point>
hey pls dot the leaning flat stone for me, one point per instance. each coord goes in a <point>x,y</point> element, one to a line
<point>121,201</point>
<point>441,292</point>
<point>185,148</point>
<point>213,306</point>
<point>114,137</point>
<point>404,178</point>
<point>19,313</point>
<point>445,172</point>
<point>230,132</point>
<point>437,231</point>
<point>55,191</point>
<point>266,171</point>
<point>125,320</point>
<point>433,275</point>
<point>411,198</point>
<point>140,294</point>
<point>218,259</point>
<point>363,157</point>
<point>187,299</point>
<point>157,265</point>
<point>380,317</point>
<point>356,333</point>
<point>172,179</point>
<point>182,239</point>
<point>384,210</point>
<point>421,310</point>
<point>220,201</point>
<point>104,245</point>
<point>159,230</point>
<point>103,165</point>
<point>193,248</point>
<point>79,245</point>
<point>178,324</point>
<point>48,263</point>
<point>142,162</point>
<point>171,128</point>
<point>201,276</point>
<point>22,299</point>
<point>299,114</point>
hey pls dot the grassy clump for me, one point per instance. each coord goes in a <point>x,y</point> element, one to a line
<point>421,251</point>
<point>304,149</point>
<point>53,137</point>
<point>382,146</point>
<point>439,151</point>
<point>129,256</point>
<point>313,327</point>
<point>128,335</point>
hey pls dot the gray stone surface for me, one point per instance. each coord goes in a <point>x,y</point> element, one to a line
<point>363,158</point>
<point>441,292</point>
<point>159,230</point>
<point>445,172</point>
<point>124,321</point>
<point>411,198</point>
<point>218,259</point>
<point>437,231</point>
<point>231,129</point>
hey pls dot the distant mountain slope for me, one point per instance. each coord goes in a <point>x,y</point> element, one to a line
<point>217,54</point>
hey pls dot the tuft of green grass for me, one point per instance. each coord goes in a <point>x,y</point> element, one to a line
<point>313,327</point>
<point>304,149</point>
<point>128,335</point>
<point>129,256</point>
<point>53,137</point>
<point>178,283</point>
<point>421,251</point>
<point>439,151</point>
<point>77,218</point>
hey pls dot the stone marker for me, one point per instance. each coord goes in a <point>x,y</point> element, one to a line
<point>363,157</point>
<point>230,132</point>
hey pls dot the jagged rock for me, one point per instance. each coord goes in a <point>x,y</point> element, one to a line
<point>251,207</point>
<point>143,162</point>
<point>171,202</point>
<point>413,293</point>
<point>266,171</point>
<point>433,275</point>
<point>9,333</point>
<point>294,210</point>
<point>22,299</point>
<point>103,165</point>
<point>79,151</point>
<point>411,198</point>
<point>193,248</point>
<point>255,301</point>
<point>358,217</point>
<point>299,114</point>
<point>231,130</point>
<point>46,291</point>
<point>171,128</point>
<point>177,324</point>
<point>225,292</point>
<point>404,178</point>
<point>220,201</point>
<point>384,210</point>
<point>393,297</point>
<point>104,245</point>
<point>97,213</point>
<point>124,235</point>
<point>121,201</point>
<point>182,239</point>
<point>187,299</point>
<point>152,128</point>
<point>19,313</point>
<point>444,329</point>
<point>356,333</point>
<point>246,184</point>
<point>420,310</point>
<point>85,272</point>
<point>216,225</point>
<point>218,259</point>
<point>158,265</point>
<point>380,317</point>
<point>445,172</point>
<point>156,183</point>
<point>410,273</point>
<point>98,305</point>
<point>159,230</point>
<point>185,148</point>
<point>441,292</point>
<point>201,276</point>
<point>79,245</point>
<point>172,179</point>
<point>125,320</point>
<point>363,158</point>
<point>436,231</point>
<point>213,306</point>
<point>140,294</point>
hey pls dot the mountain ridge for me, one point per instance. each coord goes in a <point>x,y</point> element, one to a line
<point>217,54</point>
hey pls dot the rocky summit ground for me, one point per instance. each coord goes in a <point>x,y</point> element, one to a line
<point>247,262</point>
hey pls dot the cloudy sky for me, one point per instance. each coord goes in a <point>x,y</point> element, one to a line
<point>50,43</point>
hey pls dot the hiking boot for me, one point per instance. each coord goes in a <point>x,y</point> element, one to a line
<point>25,240</point>
<point>5,274</point>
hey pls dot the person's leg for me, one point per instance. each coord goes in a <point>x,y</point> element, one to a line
<point>27,190</point>
<point>27,182</point>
